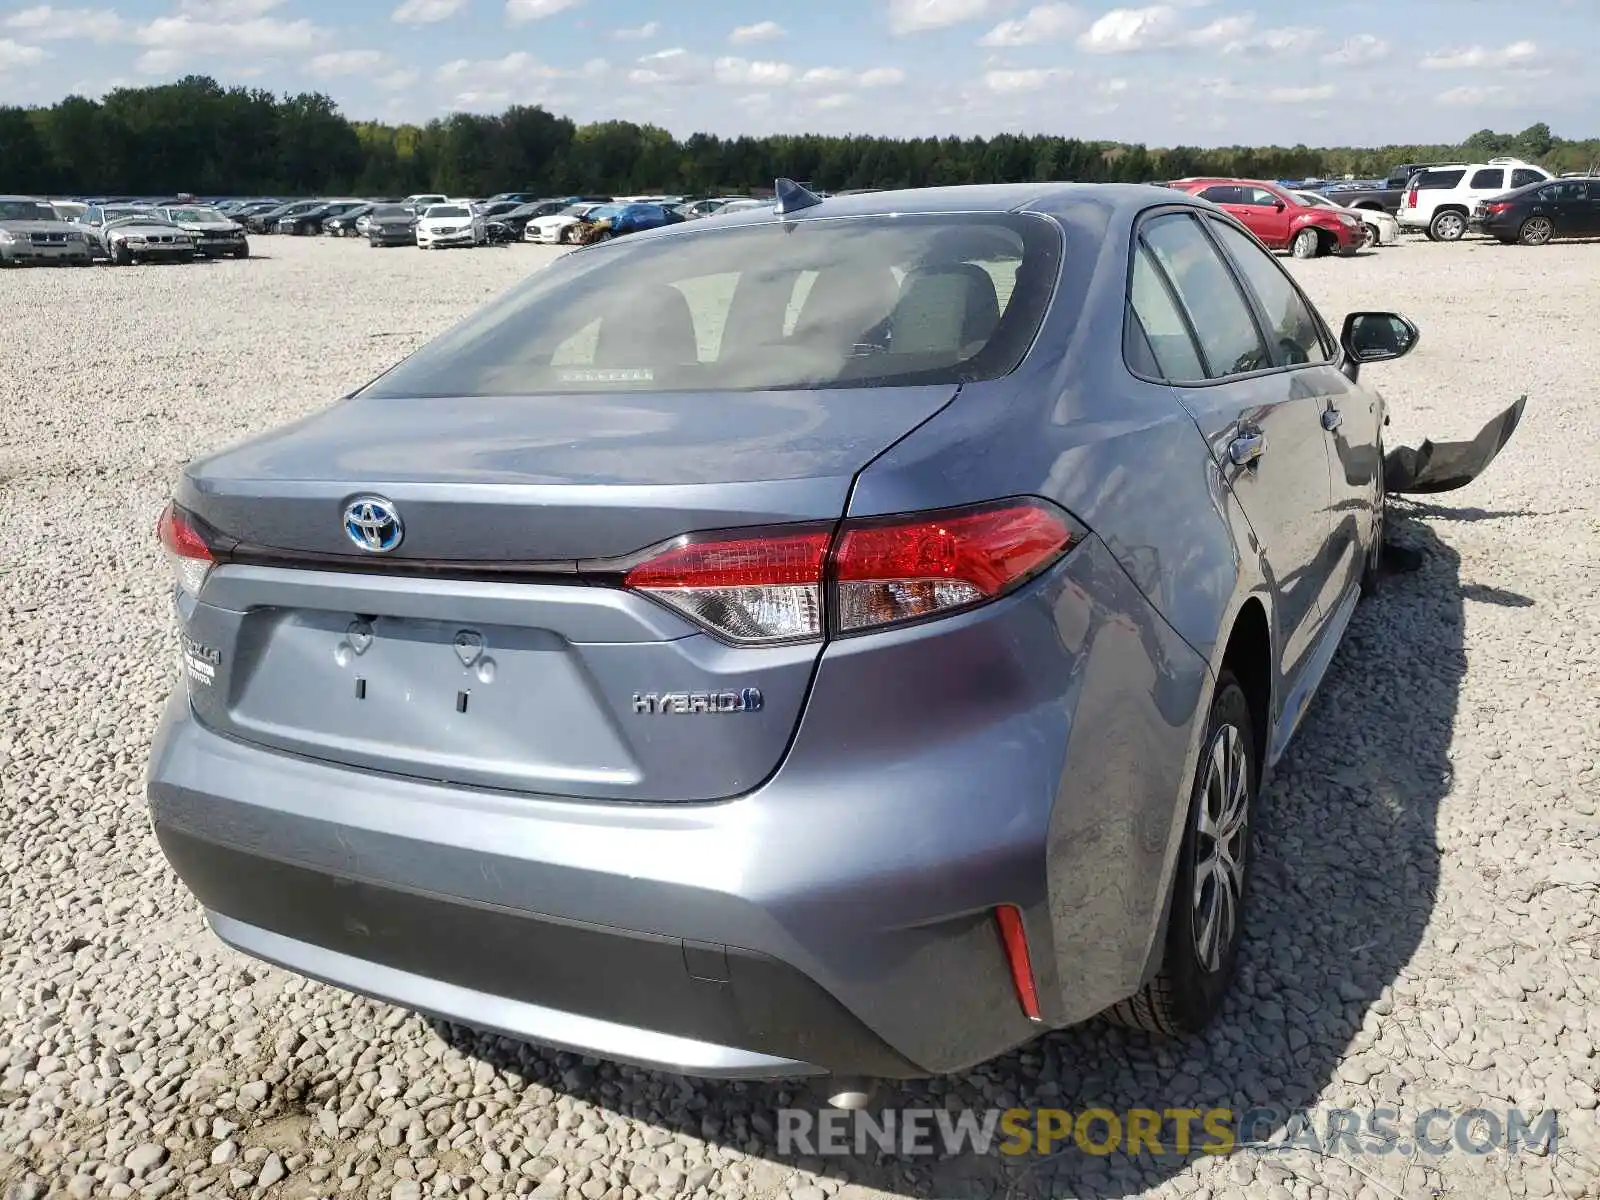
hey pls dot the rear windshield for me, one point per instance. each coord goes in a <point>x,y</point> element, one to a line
<point>1430,180</point>
<point>858,302</point>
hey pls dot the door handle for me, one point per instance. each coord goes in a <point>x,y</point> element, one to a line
<point>1332,418</point>
<point>1246,448</point>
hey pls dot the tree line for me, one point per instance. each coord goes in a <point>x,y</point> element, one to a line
<point>198,136</point>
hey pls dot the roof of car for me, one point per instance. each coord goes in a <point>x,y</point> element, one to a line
<point>965,198</point>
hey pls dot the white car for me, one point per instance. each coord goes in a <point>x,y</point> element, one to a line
<point>1382,229</point>
<point>557,228</point>
<point>444,225</point>
<point>1440,200</point>
<point>422,200</point>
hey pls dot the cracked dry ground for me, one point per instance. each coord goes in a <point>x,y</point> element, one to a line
<point>1425,930</point>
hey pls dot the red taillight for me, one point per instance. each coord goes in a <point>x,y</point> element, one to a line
<point>773,586</point>
<point>1411,198</point>
<point>1495,209</point>
<point>191,558</point>
<point>907,568</point>
<point>749,589</point>
<point>1015,940</point>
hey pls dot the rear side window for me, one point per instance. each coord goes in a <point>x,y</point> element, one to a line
<point>1492,177</point>
<point>1293,330</point>
<point>1229,339</point>
<point>858,302</point>
<point>1522,177</point>
<point>1438,180</point>
<point>1156,313</point>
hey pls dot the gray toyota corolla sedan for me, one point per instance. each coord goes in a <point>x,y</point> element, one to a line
<point>841,638</point>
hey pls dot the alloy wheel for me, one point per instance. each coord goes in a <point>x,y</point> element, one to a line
<point>1220,848</point>
<point>1448,227</point>
<point>1536,231</point>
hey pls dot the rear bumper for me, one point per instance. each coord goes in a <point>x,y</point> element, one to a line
<point>839,918</point>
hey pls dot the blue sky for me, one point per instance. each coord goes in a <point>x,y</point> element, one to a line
<point>1200,72</point>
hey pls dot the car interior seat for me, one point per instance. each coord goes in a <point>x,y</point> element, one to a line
<point>655,328</point>
<point>949,310</point>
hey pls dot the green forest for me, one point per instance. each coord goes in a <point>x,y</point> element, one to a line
<point>198,136</point>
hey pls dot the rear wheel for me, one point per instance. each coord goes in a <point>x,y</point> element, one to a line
<point>1536,231</point>
<point>1447,226</point>
<point>1306,244</point>
<point>1205,923</point>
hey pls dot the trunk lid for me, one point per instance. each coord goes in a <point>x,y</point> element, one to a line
<point>429,661</point>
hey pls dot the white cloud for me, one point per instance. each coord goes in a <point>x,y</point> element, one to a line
<point>1470,97</point>
<point>519,68</point>
<point>882,77</point>
<point>1043,23</point>
<point>1517,54</point>
<point>1026,80</point>
<point>228,10</point>
<point>671,66</point>
<point>638,33</point>
<point>426,12</point>
<point>1358,51</point>
<point>398,81</point>
<point>44,23</point>
<point>348,62</point>
<point>1162,27</point>
<point>1300,95</point>
<point>761,31</point>
<point>15,54</point>
<point>834,100</point>
<point>915,16</point>
<point>521,11</point>
<point>824,77</point>
<point>172,41</point>
<point>741,72</point>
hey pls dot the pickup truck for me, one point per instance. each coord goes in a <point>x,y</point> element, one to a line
<point>1385,197</point>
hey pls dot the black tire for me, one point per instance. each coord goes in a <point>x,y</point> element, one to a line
<point>565,237</point>
<point>1186,993</point>
<point>1448,226</point>
<point>121,256</point>
<point>1536,231</point>
<point>1306,244</point>
<point>1372,569</point>
<point>241,252</point>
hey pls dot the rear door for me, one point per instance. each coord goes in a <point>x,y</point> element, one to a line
<point>1264,428</point>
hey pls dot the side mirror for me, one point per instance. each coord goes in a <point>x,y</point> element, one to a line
<point>1370,337</point>
<point>1278,204</point>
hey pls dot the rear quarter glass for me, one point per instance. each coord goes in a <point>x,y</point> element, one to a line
<point>846,302</point>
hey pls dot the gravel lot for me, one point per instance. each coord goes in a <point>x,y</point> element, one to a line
<point>1426,928</point>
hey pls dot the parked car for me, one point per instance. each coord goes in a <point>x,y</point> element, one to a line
<point>1281,221</point>
<point>704,208</point>
<point>517,219</point>
<point>737,206</point>
<point>267,221</point>
<point>391,225</point>
<point>97,217</point>
<point>145,238</point>
<point>444,225</point>
<point>215,235</point>
<point>347,223</point>
<point>616,220</point>
<point>1440,201</point>
<point>68,210</point>
<point>950,732</point>
<point>32,232</point>
<point>1380,195</point>
<point>1541,212</point>
<point>1382,229</point>
<point>559,226</point>
<point>309,223</point>
<point>422,200</point>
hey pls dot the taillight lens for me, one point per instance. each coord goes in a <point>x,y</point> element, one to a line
<point>187,551</point>
<point>1494,209</point>
<point>749,589</point>
<point>1411,199</point>
<point>776,586</point>
<point>908,568</point>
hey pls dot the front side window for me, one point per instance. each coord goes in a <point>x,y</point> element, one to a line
<point>857,302</point>
<point>1261,197</point>
<point>1493,177</point>
<point>1290,325</point>
<point>1216,308</point>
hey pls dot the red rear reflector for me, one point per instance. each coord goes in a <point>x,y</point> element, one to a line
<point>191,558</point>
<point>1015,940</point>
<point>912,567</point>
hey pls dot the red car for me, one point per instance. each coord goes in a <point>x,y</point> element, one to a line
<point>1278,219</point>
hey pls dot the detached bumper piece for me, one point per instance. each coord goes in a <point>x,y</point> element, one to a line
<point>1445,466</point>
